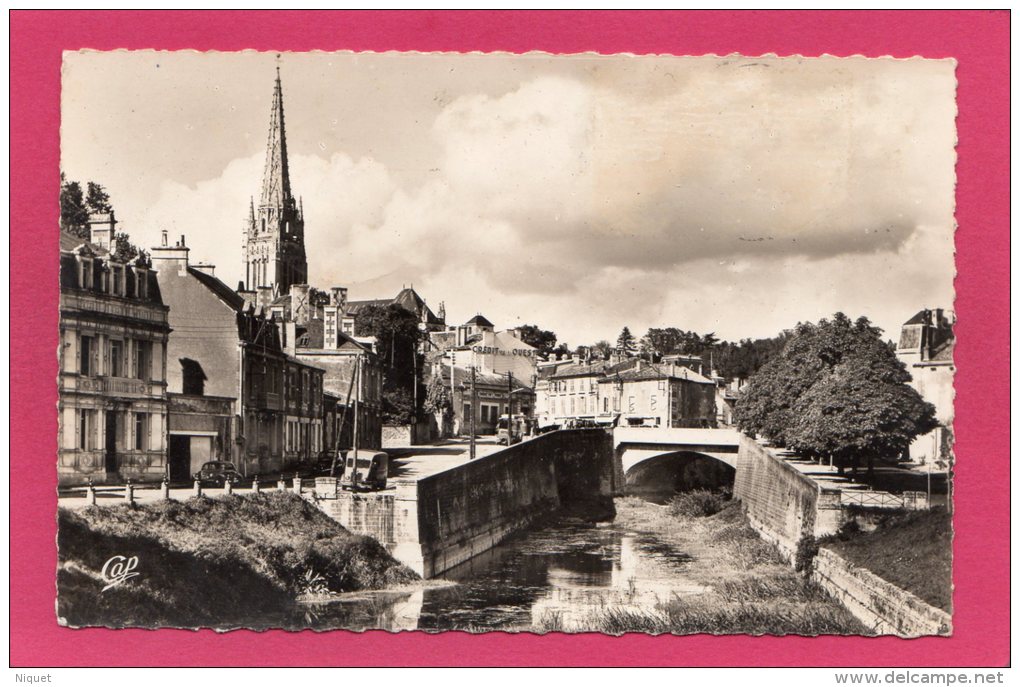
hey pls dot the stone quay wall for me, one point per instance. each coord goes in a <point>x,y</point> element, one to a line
<point>444,519</point>
<point>781,504</point>
<point>881,606</point>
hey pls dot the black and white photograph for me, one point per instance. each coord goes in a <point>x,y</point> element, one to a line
<point>506,342</point>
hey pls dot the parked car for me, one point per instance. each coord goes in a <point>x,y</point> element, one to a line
<point>509,430</point>
<point>370,472</point>
<point>324,463</point>
<point>218,472</point>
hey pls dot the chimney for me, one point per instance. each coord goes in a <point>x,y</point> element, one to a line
<point>101,229</point>
<point>170,259</point>
<point>290,338</point>
<point>206,268</point>
<point>338,297</point>
<point>300,305</point>
<point>575,358</point>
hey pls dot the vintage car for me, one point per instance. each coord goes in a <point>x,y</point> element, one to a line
<point>369,473</point>
<point>218,472</point>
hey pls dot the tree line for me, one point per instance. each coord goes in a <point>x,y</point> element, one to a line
<point>731,360</point>
<point>835,392</point>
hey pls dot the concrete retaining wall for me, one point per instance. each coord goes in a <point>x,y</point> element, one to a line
<point>447,518</point>
<point>880,605</point>
<point>781,504</point>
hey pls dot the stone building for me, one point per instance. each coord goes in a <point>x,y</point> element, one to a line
<point>230,353</point>
<point>313,334</point>
<point>112,400</point>
<point>411,301</point>
<point>274,232</point>
<point>926,347</point>
<point>658,395</point>
<point>493,396</point>
<point>570,393</point>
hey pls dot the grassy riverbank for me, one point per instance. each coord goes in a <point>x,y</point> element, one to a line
<point>211,562</point>
<point>913,551</point>
<point>745,587</point>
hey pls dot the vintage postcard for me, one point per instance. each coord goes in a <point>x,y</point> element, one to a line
<point>527,343</point>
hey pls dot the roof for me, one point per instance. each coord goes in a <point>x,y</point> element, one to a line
<point>464,376</point>
<point>944,351</point>
<point>480,321</point>
<point>408,299</point>
<point>70,241</point>
<point>222,291</point>
<point>651,371</point>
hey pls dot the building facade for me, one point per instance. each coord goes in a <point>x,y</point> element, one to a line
<point>223,348</point>
<point>273,249</point>
<point>313,333</point>
<point>659,396</point>
<point>485,398</point>
<point>112,395</point>
<point>926,348</point>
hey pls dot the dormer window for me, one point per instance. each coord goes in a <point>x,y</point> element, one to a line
<point>85,272</point>
<point>117,282</point>
<point>141,283</point>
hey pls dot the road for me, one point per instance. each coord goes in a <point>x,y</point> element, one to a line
<point>413,462</point>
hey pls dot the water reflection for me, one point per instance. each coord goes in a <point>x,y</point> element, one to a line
<point>552,577</point>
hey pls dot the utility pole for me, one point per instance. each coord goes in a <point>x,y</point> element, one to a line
<point>473,413</point>
<point>509,396</point>
<point>357,407</point>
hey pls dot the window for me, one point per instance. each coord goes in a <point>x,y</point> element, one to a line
<point>116,358</point>
<point>87,355</point>
<point>630,404</point>
<point>141,360</point>
<point>141,284</point>
<point>117,280</point>
<point>86,274</point>
<point>605,404</point>
<point>86,429</point>
<point>141,431</point>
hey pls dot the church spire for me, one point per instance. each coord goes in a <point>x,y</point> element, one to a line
<point>276,178</point>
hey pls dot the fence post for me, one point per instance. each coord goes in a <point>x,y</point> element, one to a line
<point>255,487</point>
<point>196,491</point>
<point>297,483</point>
<point>281,484</point>
<point>129,493</point>
<point>228,487</point>
<point>90,493</point>
<point>165,489</point>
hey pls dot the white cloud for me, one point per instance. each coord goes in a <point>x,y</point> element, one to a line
<point>740,201</point>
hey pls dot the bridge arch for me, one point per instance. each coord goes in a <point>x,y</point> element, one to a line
<point>666,472</point>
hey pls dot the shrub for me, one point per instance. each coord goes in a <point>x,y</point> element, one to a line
<point>698,503</point>
<point>807,549</point>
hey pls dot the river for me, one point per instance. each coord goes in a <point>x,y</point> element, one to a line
<point>552,577</point>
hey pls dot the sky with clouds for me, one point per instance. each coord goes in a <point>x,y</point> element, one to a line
<point>582,193</point>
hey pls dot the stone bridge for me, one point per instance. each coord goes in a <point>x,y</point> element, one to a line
<point>670,459</point>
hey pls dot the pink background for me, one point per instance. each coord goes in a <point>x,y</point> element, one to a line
<point>978,40</point>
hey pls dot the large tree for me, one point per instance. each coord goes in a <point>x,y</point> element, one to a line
<point>625,342</point>
<point>397,338</point>
<point>602,349</point>
<point>835,389</point>
<point>76,205</point>
<point>862,407</point>
<point>542,339</point>
<point>73,213</point>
